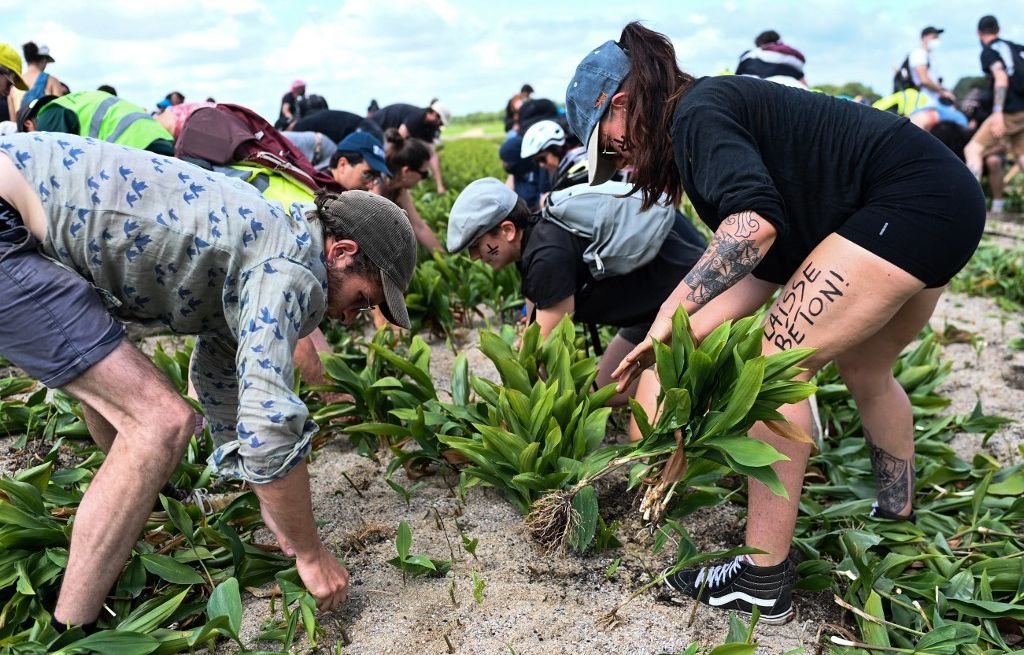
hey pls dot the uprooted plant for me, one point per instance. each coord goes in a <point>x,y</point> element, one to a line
<point>712,394</point>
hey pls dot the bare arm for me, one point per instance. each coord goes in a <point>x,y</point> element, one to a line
<point>288,512</point>
<point>1002,82</point>
<point>435,168</point>
<point>423,233</point>
<point>737,247</point>
<point>286,110</point>
<point>927,81</point>
<point>549,318</point>
<point>16,191</point>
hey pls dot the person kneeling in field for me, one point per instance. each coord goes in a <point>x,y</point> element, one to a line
<point>92,232</point>
<point>557,266</point>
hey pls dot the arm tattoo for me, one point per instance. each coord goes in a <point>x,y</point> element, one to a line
<point>894,477</point>
<point>731,254</point>
<point>1000,96</point>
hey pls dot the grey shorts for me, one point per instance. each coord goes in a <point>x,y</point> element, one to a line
<point>55,325</point>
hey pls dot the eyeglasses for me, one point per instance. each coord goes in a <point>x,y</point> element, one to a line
<point>370,176</point>
<point>425,173</point>
<point>368,308</point>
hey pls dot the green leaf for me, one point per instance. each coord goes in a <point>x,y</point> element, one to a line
<point>741,400</point>
<point>153,613</point>
<point>874,633</point>
<point>747,450</point>
<point>403,542</point>
<point>734,649</point>
<point>988,609</point>
<point>226,601</point>
<point>584,503</point>
<point>460,380</point>
<point>113,642</point>
<point>168,569</point>
<point>179,517</point>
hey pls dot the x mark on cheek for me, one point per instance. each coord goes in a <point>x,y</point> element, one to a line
<point>492,251</point>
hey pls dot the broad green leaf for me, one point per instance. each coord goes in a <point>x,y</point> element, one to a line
<point>152,614</point>
<point>747,450</point>
<point>113,642</point>
<point>226,601</point>
<point>734,649</point>
<point>460,380</point>
<point>874,633</point>
<point>168,569</point>
<point>584,504</point>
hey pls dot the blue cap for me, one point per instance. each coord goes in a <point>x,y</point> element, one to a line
<point>368,147</point>
<point>589,95</point>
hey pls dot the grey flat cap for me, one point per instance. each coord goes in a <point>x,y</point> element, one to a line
<point>479,209</point>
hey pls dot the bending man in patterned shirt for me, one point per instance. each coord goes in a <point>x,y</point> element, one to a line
<point>92,232</point>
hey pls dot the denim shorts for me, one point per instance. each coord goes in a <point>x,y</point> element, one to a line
<point>55,325</point>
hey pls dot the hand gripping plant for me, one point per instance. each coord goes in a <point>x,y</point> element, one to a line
<point>712,394</point>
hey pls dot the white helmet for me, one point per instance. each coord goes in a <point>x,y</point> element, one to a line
<point>541,135</point>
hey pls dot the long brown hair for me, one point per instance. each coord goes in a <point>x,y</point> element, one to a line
<point>654,84</point>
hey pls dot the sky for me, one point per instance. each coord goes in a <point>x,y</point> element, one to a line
<point>472,55</point>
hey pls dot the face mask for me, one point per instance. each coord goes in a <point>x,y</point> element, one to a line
<point>933,45</point>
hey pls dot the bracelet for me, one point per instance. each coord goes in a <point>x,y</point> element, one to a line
<point>996,109</point>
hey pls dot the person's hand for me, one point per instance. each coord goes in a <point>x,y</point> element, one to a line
<point>948,95</point>
<point>632,365</point>
<point>642,356</point>
<point>441,190</point>
<point>324,577</point>
<point>998,125</point>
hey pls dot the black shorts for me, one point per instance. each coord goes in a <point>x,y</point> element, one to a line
<point>923,212</point>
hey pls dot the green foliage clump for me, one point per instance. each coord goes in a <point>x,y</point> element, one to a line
<point>994,272</point>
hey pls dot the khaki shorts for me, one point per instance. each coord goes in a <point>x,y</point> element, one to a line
<point>1014,135</point>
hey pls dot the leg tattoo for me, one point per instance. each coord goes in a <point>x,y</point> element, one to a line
<point>894,477</point>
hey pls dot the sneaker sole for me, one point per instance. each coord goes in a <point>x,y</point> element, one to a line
<point>768,619</point>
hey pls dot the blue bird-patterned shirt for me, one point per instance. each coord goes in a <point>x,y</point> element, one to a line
<point>166,242</point>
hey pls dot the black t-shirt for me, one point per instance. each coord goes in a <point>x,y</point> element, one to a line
<point>552,269</point>
<point>804,161</point>
<point>999,50</point>
<point>336,124</point>
<point>414,118</point>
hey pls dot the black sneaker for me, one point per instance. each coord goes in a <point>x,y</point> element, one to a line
<point>739,585</point>
<point>879,513</point>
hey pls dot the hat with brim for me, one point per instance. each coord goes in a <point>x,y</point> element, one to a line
<point>393,307</point>
<point>31,110</point>
<point>11,60</point>
<point>368,147</point>
<point>600,167</point>
<point>931,30</point>
<point>44,53</point>
<point>383,232</point>
<point>597,79</point>
<point>481,207</point>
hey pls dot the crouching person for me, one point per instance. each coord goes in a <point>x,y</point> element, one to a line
<point>92,232</point>
<point>589,253</point>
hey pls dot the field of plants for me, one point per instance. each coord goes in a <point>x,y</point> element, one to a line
<point>486,501</point>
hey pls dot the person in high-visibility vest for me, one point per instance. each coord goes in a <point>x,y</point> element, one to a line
<point>99,115</point>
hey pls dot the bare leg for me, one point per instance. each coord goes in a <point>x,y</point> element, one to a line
<point>994,165</point>
<point>841,298</point>
<point>100,429</point>
<point>154,425</point>
<point>884,408</point>
<point>613,354</point>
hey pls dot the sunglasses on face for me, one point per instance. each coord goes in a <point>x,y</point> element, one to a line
<point>370,176</point>
<point>425,173</point>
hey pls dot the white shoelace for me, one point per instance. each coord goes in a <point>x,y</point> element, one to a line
<point>717,575</point>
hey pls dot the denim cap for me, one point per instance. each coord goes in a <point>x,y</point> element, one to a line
<point>589,94</point>
<point>369,148</point>
<point>479,208</point>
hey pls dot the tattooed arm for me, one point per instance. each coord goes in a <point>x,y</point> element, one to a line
<point>737,247</point>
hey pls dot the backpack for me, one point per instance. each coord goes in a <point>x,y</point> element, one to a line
<point>232,134</point>
<point>622,238</point>
<point>904,77</point>
<point>1015,68</point>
